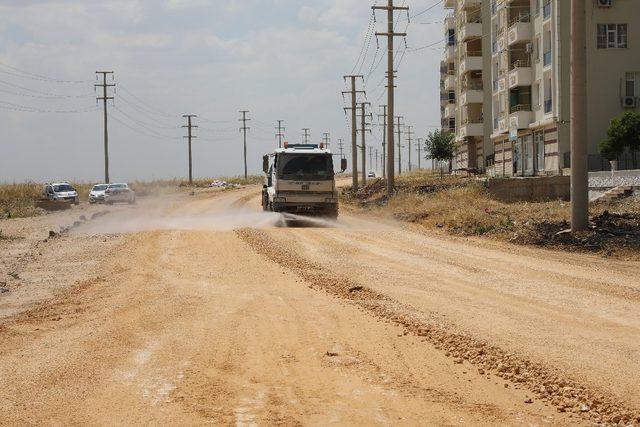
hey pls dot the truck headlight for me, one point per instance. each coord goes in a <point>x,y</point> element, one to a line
<point>279,199</point>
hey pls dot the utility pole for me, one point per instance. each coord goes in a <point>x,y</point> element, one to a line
<point>399,126</point>
<point>377,165</point>
<point>354,129</point>
<point>280,133</point>
<point>370,158</point>
<point>419,153</point>
<point>363,131</point>
<point>244,130</point>
<point>306,134</point>
<point>326,139</point>
<point>384,138</point>
<point>341,146</point>
<point>579,168</point>
<point>390,8</point>
<point>104,98</point>
<point>409,136</point>
<point>190,136</point>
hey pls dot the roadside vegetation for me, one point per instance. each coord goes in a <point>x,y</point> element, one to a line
<point>463,206</point>
<point>18,200</point>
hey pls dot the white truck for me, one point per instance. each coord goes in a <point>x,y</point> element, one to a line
<point>300,180</point>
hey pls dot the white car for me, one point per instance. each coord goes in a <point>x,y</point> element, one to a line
<point>119,193</point>
<point>96,195</point>
<point>371,175</point>
<point>61,192</point>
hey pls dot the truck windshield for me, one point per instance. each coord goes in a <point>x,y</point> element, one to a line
<point>62,188</point>
<point>305,166</point>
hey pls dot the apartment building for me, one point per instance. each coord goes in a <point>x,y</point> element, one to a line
<point>511,106</point>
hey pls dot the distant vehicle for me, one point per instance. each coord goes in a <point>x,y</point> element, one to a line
<point>300,180</point>
<point>60,192</point>
<point>119,193</point>
<point>371,174</point>
<point>96,195</point>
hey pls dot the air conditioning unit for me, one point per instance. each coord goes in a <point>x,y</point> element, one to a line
<point>604,3</point>
<point>529,47</point>
<point>629,102</point>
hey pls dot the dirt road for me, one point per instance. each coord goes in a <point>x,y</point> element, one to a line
<point>203,310</point>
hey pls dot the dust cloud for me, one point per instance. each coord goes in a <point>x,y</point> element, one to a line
<point>157,216</point>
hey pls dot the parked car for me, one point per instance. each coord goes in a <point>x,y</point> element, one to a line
<point>119,193</point>
<point>60,192</point>
<point>96,195</point>
<point>371,175</point>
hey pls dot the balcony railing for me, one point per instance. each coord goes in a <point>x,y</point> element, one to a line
<point>472,84</point>
<point>519,107</point>
<point>546,10</point>
<point>548,106</point>
<point>524,17</point>
<point>547,58</point>
<point>520,63</point>
<point>473,53</point>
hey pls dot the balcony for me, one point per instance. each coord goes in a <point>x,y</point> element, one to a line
<point>520,32</point>
<point>471,96</point>
<point>503,124</point>
<point>520,116</point>
<point>449,54</point>
<point>471,62</point>
<point>468,4</point>
<point>471,129</point>
<point>449,22</point>
<point>500,44</point>
<point>471,30</point>
<point>450,111</point>
<point>450,82</point>
<point>521,74</point>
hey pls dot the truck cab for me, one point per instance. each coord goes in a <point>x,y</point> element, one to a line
<point>300,179</point>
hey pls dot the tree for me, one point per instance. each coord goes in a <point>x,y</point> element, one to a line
<point>440,147</point>
<point>623,134</point>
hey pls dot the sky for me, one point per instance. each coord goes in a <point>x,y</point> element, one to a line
<point>279,59</point>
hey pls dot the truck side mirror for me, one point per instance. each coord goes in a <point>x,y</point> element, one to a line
<point>343,164</point>
<point>265,164</point>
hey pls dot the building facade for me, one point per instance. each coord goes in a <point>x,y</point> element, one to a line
<point>522,116</point>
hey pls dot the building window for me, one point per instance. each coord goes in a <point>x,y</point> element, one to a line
<point>630,84</point>
<point>612,36</point>
<point>451,36</point>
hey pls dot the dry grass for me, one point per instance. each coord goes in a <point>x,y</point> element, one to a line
<point>463,206</point>
<point>18,200</point>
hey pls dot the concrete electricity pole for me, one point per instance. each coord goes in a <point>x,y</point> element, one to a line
<point>363,131</point>
<point>377,165</point>
<point>390,8</point>
<point>326,139</point>
<point>190,126</point>
<point>579,164</point>
<point>419,153</point>
<point>306,134</point>
<point>354,129</point>
<point>280,133</point>
<point>384,138</point>
<point>399,126</point>
<point>104,98</point>
<point>244,130</point>
<point>409,136</point>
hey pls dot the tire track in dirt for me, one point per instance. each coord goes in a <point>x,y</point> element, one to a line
<point>545,382</point>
